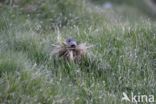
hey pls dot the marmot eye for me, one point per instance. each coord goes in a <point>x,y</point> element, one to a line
<point>69,40</point>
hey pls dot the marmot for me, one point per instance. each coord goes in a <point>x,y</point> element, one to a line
<point>70,50</point>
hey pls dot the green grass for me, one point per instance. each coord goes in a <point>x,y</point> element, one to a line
<point>123,58</point>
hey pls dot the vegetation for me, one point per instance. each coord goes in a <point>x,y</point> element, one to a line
<point>123,59</point>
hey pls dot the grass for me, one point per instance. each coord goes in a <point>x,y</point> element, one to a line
<point>123,59</point>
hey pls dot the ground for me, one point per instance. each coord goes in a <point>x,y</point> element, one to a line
<point>123,58</point>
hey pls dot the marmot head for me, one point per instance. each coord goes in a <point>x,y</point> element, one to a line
<point>71,42</point>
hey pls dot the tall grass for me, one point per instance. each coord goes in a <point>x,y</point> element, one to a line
<point>122,59</point>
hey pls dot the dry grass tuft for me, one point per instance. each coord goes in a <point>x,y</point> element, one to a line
<point>70,53</point>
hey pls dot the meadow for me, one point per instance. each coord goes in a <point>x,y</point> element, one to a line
<point>123,58</point>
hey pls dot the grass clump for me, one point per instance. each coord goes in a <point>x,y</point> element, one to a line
<point>9,63</point>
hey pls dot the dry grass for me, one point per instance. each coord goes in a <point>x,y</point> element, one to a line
<point>76,54</point>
